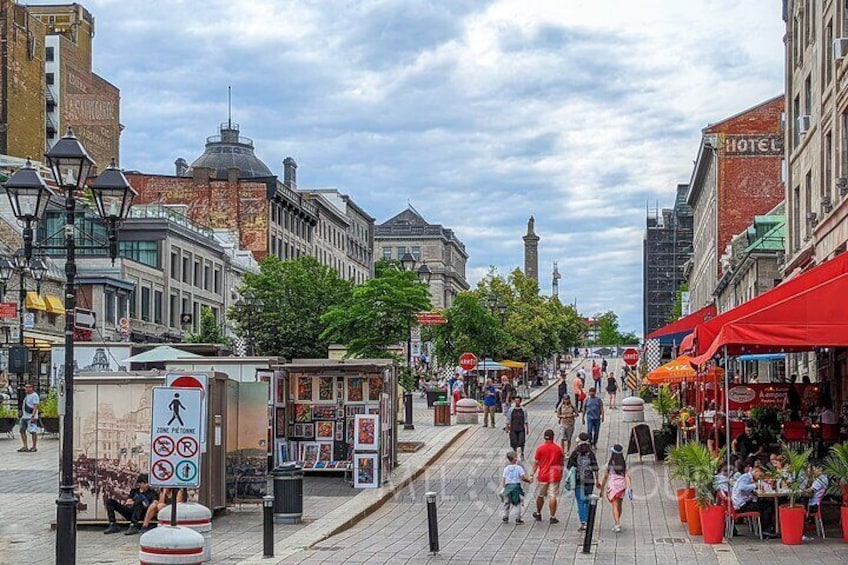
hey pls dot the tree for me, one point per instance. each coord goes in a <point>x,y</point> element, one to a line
<point>677,308</point>
<point>210,330</point>
<point>470,327</point>
<point>607,326</point>
<point>295,294</point>
<point>380,313</point>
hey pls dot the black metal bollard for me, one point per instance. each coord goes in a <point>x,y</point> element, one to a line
<point>590,524</point>
<point>407,411</point>
<point>432,522</point>
<point>268,526</point>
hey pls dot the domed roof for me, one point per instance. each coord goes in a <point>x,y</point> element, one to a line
<point>229,149</point>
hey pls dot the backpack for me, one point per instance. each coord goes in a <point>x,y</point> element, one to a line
<point>585,469</point>
<point>517,419</point>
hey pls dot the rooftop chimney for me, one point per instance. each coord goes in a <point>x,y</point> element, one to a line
<point>181,167</point>
<point>290,172</point>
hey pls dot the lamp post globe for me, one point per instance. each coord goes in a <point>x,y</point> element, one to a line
<point>112,193</point>
<point>407,261</point>
<point>6,270</point>
<point>69,161</point>
<point>424,274</point>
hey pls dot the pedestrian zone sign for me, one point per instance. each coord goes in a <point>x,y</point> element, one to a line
<point>175,437</point>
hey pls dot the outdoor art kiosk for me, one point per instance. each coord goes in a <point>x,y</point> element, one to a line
<point>334,415</point>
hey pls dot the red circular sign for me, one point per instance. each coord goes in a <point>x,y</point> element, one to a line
<point>468,361</point>
<point>631,356</point>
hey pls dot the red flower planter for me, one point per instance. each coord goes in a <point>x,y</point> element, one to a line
<point>712,523</point>
<point>693,516</point>
<point>682,495</point>
<point>791,524</point>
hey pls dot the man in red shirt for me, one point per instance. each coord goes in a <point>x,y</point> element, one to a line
<point>548,462</point>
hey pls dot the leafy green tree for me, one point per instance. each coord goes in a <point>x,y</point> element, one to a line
<point>677,308</point>
<point>380,313</point>
<point>607,326</point>
<point>470,327</point>
<point>210,331</point>
<point>295,294</point>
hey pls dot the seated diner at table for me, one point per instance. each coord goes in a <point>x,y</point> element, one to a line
<point>744,499</point>
<point>746,444</point>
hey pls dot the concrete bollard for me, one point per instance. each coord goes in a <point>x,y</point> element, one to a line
<point>195,517</point>
<point>633,409</point>
<point>168,545</point>
<point>466,411</point>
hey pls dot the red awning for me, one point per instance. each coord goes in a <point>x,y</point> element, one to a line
<point>685,324</point>
<point>707,332</point>
<point>815,314</point>
<point>687,344</point>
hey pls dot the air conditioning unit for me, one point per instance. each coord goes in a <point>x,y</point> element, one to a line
<point>804,123</point>
<point>842,185</point>
<point>827,204</point>
<point>840,47</point>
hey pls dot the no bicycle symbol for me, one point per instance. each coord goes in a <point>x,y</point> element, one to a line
<point>163,446</point>
<point>187,447</point>
<point>163,470</point>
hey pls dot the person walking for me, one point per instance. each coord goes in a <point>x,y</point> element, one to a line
<point>517,427</point>
<point>585,465</point>
<point>612,389</point>
<point>578,393</point>
<point>507,394</point>
<point>490,400</point>
<point>617,482</point>
<point>458,391</point>
<point>596,375</point>
<point>28,424</point>
<point>566,415</point>
<point>603,364</point>
<point>512,494</point>
<point>547,471</point>
<point>562,389</point>
<point>593,415</point>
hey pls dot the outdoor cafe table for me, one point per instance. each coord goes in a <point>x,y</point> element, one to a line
<point>775,495</point>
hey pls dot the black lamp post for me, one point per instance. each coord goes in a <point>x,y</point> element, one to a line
<point>28,194</point>
<point>408,261</point>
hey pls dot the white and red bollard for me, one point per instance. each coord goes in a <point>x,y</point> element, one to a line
<point>195,517</point>
<point>168,545</point>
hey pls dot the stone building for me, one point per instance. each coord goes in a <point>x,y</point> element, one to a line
<point>737,175</point>
<point>433,244</point>
<point>666,247</point>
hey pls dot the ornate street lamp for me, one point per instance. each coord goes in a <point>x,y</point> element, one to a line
<point>38,269</point>
<point>407,261</point>
<point>113,197</point>
<point>28,195</point>
<point>6,270</point>
<point>424,274</point>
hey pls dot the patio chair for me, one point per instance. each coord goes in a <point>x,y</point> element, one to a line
<point>752,518</point>
<point>817,518</point>
<point>795,433</point>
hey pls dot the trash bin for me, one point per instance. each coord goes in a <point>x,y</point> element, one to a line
<point>288,494</point>
<point>441,413</point>
<point>433,396</point>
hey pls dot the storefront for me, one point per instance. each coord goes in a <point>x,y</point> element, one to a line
<point>335,415</point>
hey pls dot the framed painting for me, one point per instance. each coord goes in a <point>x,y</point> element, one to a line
<point>365,471</point>
<point>325,451</point>
<point>304,389</point>
<point>354,389</point>
<point>339,430</point>
<point>375,388</point>
<point>324,412</point>
<point>326,389</point>
<point>366,432</point>
<point>349,430</point>
<point>280,387</point>
<point>325,430</point>
<point>373,410</point>
<point>352,411</point>
<point>309,451</point>
<point>302,413</point>
<point>280,421</point>
<point>282,451</point>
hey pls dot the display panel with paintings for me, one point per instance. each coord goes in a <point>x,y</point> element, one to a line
<point>325,430</point>
<point>354,389</point>
<point>326,389</point>
<point>365,471</point>
<point>304,389</point>
<point>366,433</point>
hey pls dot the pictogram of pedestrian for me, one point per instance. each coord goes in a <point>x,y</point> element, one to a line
<point>175,407</point>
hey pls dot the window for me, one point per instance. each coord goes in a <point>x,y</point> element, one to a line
<point>50,78</point>
<point>387,253</point>
<point>48,54</point>
<point>109,306</point>
<point>195,310</point>
<point>145,304</point>
<point>133,307</point>
<point>796,113</point>
<point>808,201</point>
<point>401,251</point>
<point>215,312</point>
<point>186,269</point>
<point>123,304</point>
<point>416,252</point>
<point>207,277</point>
<point>184,307</point>
<point>197,282</point>
<point>828,53</point>
<point>827,178</point>
<point>175,265</point>
<point>145,252</point>
<point>216,284</point>
<point>157,306</point>
<point>808,96</point>
<point>173,311</point>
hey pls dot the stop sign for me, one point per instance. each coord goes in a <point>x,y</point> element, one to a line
<point>631,356</point>
<point>467,361</point>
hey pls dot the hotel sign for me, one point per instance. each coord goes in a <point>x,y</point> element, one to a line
<point>753,145</point>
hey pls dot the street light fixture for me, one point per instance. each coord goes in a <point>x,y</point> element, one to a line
<point>38,269</point>
<point>407,261</point>
<point>424,274</point>
<point>70,165</point>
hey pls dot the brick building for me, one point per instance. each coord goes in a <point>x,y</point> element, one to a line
<point>737,176</point>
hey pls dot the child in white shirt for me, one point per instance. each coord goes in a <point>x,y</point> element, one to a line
<point>512,494</point>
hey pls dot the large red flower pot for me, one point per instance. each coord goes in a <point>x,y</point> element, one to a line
<point>693,516</point>
<point>791,524</point>
<point>844,511</point>
<point>712,523</point>
<point>682,495</point>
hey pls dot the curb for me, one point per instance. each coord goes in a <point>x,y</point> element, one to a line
<point>355,515</point>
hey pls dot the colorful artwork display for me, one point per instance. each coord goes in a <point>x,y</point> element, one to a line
<point>302,413</point>
<point>326,389</point>
<point>375,388</point>
<point>305,431</point>
<point>280,421</point>
<point>309,451</point>
<point>366,432</point>
<point>325,412</point>
<point>325,451</point>
<point>304,389</point>
<point>354,390</point>
<point>324,430</point>
<point>351,411</point>
<point>365,470</point>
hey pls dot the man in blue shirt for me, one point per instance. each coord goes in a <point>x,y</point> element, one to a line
<point>744,499</point>
<point>490,400</point>
<point>593,415</point>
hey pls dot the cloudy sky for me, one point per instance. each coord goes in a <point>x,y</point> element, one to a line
<point>479,113</point>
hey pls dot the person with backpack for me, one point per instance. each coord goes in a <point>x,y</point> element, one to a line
<point>517,426</point>
<point>617,480</point>
<point>612,388</point>
<point>562,389</point>
<point>593,415</point>
<point>507,393</point>
<point>585,466</point>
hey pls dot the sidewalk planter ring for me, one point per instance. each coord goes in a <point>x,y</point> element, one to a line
<point>712,523</point>
<point>693,517</point>
<point>682,495</point>
<point>792,524</point>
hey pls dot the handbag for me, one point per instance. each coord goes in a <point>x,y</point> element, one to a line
<point>571,479</point>
<point>33,426</point>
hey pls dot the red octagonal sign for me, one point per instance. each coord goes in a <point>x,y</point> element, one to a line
<point>468,361</point>
<point>631,356</point>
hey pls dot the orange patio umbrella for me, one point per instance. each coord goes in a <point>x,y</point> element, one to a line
<point>674,371</point>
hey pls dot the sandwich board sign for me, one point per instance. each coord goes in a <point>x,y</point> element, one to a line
<point>175,437</point>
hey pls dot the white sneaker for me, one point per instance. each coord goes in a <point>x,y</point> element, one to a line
<point>616,528</point>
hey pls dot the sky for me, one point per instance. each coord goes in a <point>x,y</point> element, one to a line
<point>478,113</point>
